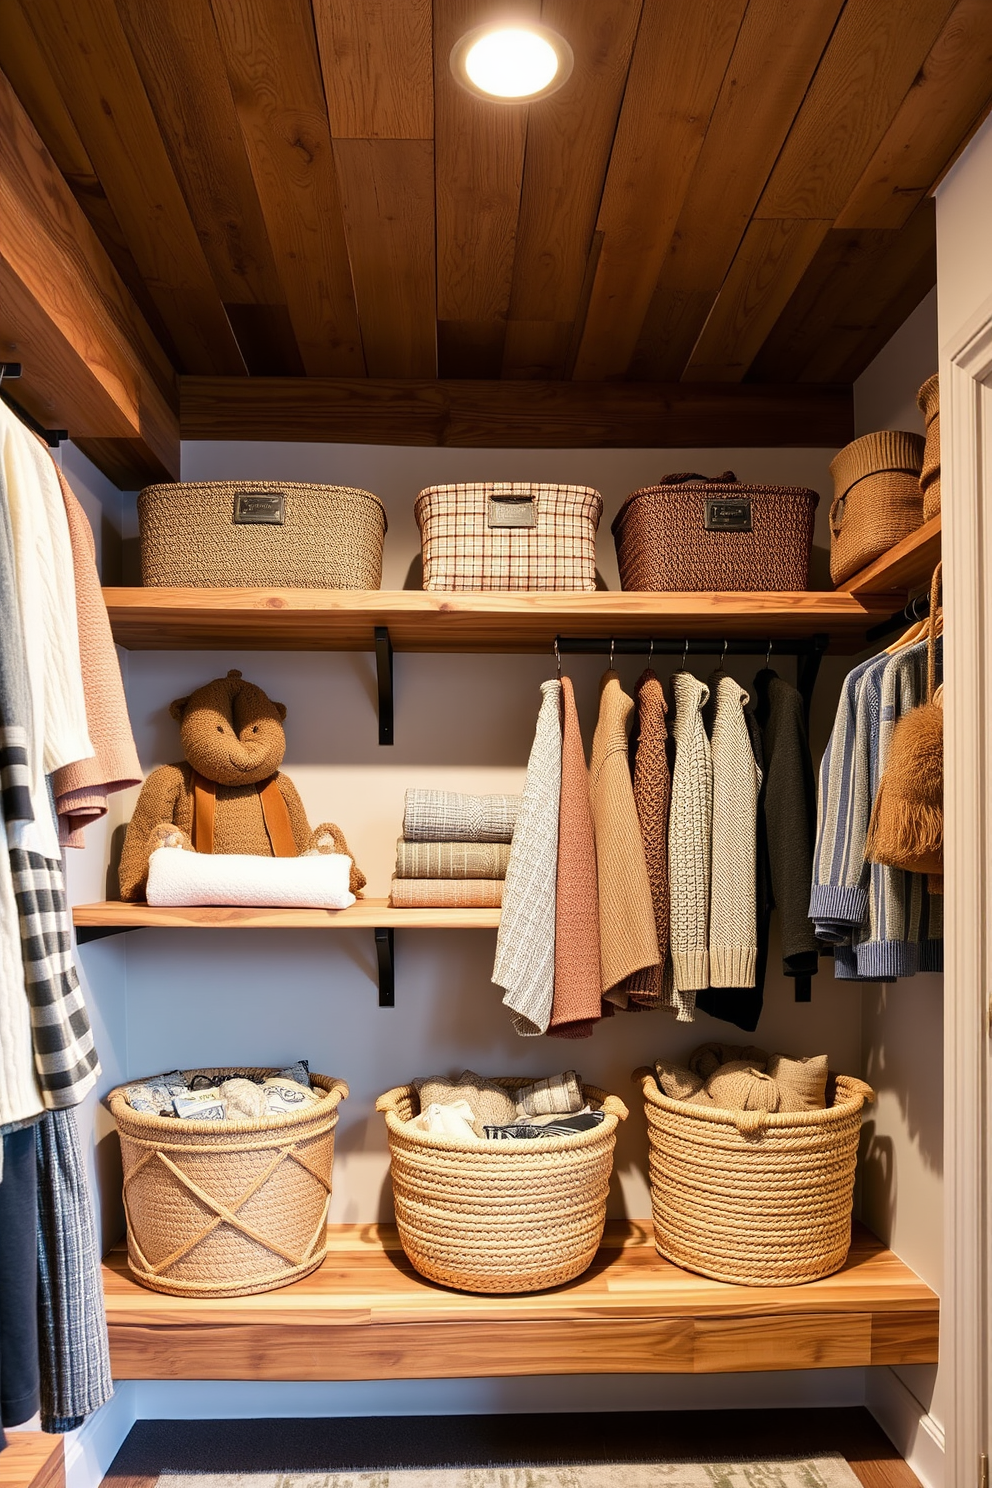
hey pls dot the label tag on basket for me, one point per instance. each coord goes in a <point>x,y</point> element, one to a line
<point>728,516</point>
<point>255,507</point>
<point>512,511</point>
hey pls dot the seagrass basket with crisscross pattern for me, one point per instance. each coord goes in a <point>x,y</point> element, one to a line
<point>218,1209</point>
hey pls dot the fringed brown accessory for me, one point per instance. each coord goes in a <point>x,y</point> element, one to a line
<point>907,821</point>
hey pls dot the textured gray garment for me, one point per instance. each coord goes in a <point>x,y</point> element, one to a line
<point>525,945</point>
<point>689,844</point>
<point>72,1324</point>
<point>447,816</point>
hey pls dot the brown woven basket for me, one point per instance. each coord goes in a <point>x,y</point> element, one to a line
<point>222,1210</point>
<point>509,535</point>
<point>877,498</point>
<point>750,1197</point>
<point>509,1216</point>
<point>256,534</point>
<point>928,401</point>
<point>693,533</point>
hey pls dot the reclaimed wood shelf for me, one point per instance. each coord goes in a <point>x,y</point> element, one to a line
<point>366,1314</point>
<point>366,914</point>
<point>32,1459</point>
<point>909,565</point>
<point>346,620</point>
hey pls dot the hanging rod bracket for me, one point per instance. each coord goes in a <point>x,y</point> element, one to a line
<point>384,950</point>
<point>87,933</point>
<point>9,372</point>
<point>807,670</point>
<point>384,678</point>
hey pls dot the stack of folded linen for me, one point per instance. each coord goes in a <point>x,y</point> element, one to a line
<point>454,850</point>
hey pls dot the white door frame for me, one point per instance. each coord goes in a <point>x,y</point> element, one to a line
<point>966,483</point>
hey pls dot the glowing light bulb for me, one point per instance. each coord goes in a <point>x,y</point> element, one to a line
<point>510,64</point>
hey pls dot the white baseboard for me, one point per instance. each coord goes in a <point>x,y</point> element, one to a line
<point>191,1400</point>
<point>908,1425</point>
<point>90,1450</point>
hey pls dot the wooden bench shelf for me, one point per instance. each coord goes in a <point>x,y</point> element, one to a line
<point>32,1459</point>
<point>366,1314</point>
<point>909,565</point>
<point>345,620</point>
<point>366,914</point>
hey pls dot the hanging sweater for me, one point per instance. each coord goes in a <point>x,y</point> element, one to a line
<point>652,797</point>
<point>81,788</point>
<point>525,945</point>
<point>577,1004</point>
<point>628,940</point>
<point>733,938</point>
<point>689,843</point>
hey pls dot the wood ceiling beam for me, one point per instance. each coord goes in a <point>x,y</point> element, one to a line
<point>515,414</point>
<point>106,98</point>
<point>90,363</point>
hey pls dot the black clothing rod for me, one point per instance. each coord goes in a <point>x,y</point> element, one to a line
<point>672,646</point>
<point>917,609</point>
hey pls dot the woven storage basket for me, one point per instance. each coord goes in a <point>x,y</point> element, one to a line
<point>255,534</point>
<point>516,1216</point>
<point>509,535</point>
<point>693,533</point>
<point>751,1197</point>
<point>928,400</point>
<point>877,498</point>
<point>221,1210</point>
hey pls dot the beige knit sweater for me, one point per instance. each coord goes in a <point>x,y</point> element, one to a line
<point>689,830</point>
<point>628,940</point>
<point>733,931</point>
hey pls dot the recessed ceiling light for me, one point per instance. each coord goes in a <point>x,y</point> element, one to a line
<point>512,63</point>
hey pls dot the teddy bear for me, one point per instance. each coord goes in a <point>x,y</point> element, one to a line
<point>228,795</point>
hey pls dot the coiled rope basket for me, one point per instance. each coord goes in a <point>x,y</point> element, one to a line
<point>222,1210</point>
<point>514,1216</point>
<point>754,1197</point>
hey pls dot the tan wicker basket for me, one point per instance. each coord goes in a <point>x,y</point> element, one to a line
<point>877,498</point>
<point>928,400</point>
<point>509,535</point>
<point>256,534</point>
<point>694,533</point>
<point>222,1210</point>
<point>750,1197</point>
<point>509,1217</point>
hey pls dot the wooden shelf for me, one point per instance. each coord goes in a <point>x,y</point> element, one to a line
<point>366,914</point>
<point>345,620</point>
<point>32,1459</point>
<point>366,1314</point>
<point>909,565</point>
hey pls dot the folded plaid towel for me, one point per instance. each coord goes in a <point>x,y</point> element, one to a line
<point>447,816</point>
<point>451,859</point>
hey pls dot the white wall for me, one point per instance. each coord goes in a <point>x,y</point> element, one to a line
<point>964,232</point>
<point>885,393</point>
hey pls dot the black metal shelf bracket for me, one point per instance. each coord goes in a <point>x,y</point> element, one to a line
<point>87,933</point>
<point>384,677</point>
<point>385,952</point>
<point>9,372</point>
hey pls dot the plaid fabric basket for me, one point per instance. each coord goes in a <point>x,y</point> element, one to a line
<point>509,535</point>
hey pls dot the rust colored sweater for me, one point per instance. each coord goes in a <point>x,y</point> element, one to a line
<point>652,795</point>
<point>577,1003</point>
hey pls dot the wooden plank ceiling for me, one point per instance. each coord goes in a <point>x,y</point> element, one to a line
<point>724,191</point>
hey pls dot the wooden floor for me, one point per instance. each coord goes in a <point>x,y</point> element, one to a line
<point>32,1459</point>
<point>365,1314</point>
<point>370,1444</point>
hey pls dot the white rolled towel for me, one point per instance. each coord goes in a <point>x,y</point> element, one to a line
<point>177,878</point>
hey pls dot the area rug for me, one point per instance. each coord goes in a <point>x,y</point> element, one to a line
<point>830,1471</point>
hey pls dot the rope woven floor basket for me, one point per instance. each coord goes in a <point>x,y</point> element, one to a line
<point>222,1210</point>
<point>516,1216</point>
<point>752,1197</point>
<point>251,534</point>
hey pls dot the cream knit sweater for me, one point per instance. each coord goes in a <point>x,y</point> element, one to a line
<point>628,940</point>
<point>733,929</point>
<point>689,837</point>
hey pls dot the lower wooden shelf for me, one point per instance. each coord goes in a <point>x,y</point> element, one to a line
<point>366,914</point>
<point>366,1314</point>
<point>32,1459</point>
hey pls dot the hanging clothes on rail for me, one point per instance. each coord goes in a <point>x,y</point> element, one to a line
<point>733,933</point>
<point>652,771</point>
<point>689,845</point>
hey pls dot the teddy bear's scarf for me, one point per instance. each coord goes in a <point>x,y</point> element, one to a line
<point>275,814</point>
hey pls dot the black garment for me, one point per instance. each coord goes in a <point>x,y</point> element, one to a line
<point>19,1367</point>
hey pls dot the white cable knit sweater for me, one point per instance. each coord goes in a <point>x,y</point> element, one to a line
<point>733,930</point>
<point>689,833</point>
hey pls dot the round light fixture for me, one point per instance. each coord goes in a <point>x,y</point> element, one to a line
<point>512,63</point>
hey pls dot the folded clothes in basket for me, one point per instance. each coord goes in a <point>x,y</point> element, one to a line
<point>558,1126</point>
<point>178,878</point>
<point>448,816</point>
<point>219,1098</point>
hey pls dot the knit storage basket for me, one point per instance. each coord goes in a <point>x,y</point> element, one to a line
<point>751,1197</point>
<point>259,534</point>
<point>216,1209</point>
<point>694,533</point>
<point>928,400</point>
<point>514,1216</point>
<point>877,499</point>
<point>509,535</point>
